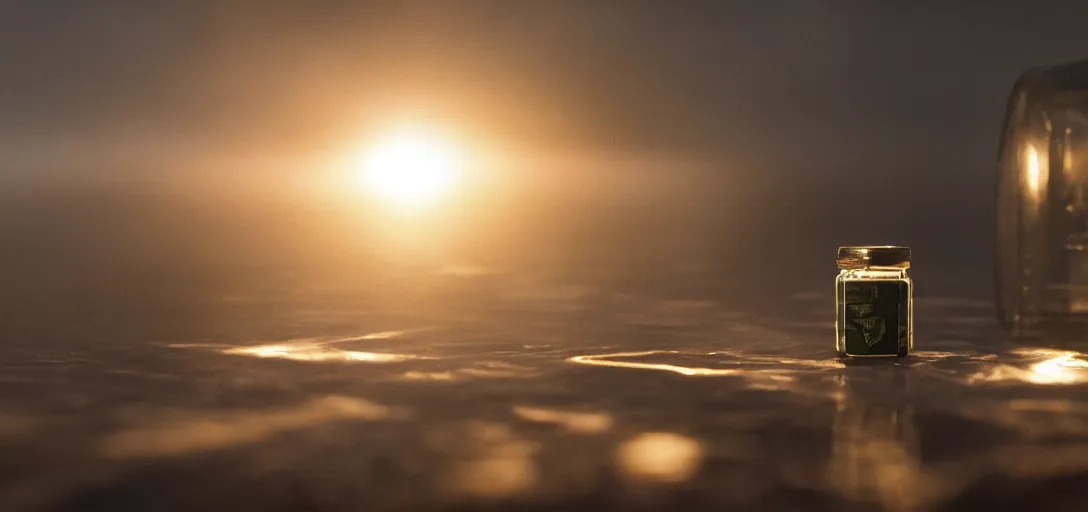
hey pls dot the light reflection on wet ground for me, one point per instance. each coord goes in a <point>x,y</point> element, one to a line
<point>572,421</point>
<point>184,433</point>
<point>1038,366</point>
<point>660,456</point>
<point>659,404</point>
<point>303,351</point>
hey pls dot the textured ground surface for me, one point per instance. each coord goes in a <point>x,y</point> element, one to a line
<point>534,393</point>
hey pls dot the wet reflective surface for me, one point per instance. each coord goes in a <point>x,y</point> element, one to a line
<point>548,395</point>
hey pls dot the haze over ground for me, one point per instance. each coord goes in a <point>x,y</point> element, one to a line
<point>158,149</point>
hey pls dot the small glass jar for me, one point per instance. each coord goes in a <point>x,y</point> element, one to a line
<point>874,302</point>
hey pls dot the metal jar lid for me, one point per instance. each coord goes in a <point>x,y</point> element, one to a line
<point>861,256</point>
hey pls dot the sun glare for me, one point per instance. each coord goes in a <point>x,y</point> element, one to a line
<point>410,167</point>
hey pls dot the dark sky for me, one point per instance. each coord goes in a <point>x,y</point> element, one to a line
<point>828,123</point>
<point>838,86</point>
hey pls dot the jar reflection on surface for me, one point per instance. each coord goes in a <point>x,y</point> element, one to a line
<point>875,444</point>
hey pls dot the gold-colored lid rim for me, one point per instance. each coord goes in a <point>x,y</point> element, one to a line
<point>861,256</point>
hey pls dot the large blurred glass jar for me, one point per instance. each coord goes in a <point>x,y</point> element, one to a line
<point>1042,205</point>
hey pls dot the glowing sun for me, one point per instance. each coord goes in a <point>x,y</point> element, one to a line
<point>410,166</point>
